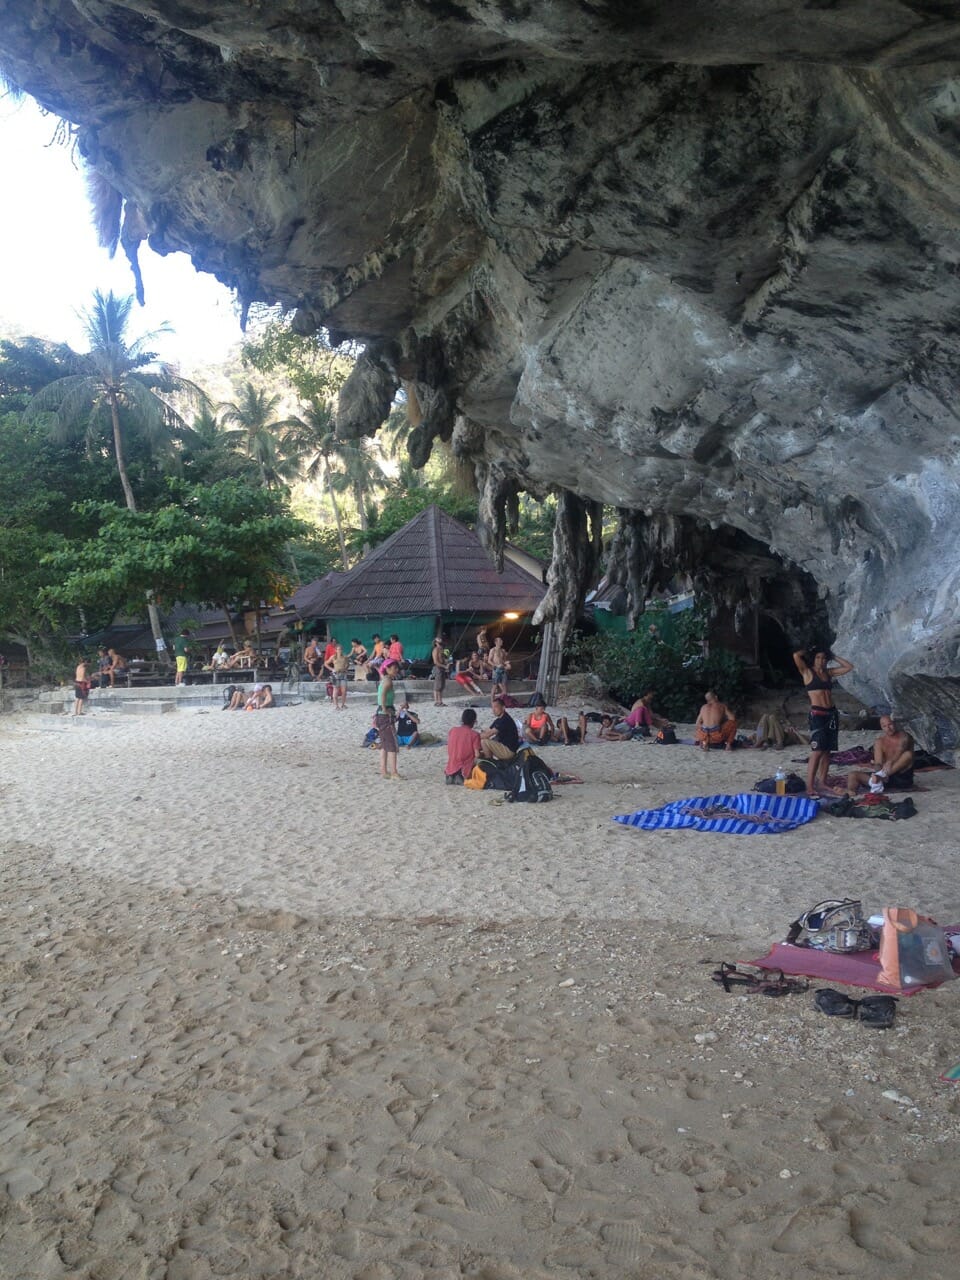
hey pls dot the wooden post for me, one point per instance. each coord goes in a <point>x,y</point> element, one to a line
<point>548,677</point>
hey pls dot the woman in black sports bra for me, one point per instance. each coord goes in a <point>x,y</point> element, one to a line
<point>824,723</point>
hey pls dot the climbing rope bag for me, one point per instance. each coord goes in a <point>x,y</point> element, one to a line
<point>836,925</point>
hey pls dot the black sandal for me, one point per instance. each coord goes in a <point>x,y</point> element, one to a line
<point>834,1003</point>
<point>878,1011</point>
<point>729,976</point>
<point>781,985</point>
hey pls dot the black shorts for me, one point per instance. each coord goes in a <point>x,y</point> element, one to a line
<point>824,726</point>
<point>81,690</point>
<point>902,781</point>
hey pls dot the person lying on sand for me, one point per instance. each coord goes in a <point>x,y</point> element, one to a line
<point>776,731</point>
<point>609,732</point>
<point>569,734</point>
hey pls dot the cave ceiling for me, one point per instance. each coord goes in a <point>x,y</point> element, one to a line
<point>696,261</point>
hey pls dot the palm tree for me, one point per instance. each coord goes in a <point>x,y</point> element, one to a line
<point>312,437</point>
<point>342,466</point>
<point>253,427</point>
<point>118,382</point>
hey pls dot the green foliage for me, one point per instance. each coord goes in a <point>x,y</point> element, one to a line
<point>398,509</point>
<point>39,484</point>
<point>677,670</point>
<point>316,554</point>
<point>210,544</point>
<point>313,368</point>
<point>535,530</point>
<point>29,365</point>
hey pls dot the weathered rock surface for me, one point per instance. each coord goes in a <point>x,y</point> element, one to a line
<point>698,261</point>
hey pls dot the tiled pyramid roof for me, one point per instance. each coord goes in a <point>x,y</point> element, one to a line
<point>433,565</point>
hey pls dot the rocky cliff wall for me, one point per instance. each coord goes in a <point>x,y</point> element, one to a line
<point>700,262</point>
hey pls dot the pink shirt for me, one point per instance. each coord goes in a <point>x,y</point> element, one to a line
<point>640,715</point>
<point>463,745</point>
<point>395,651</point>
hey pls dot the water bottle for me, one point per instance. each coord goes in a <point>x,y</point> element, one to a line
<point>780,781</point>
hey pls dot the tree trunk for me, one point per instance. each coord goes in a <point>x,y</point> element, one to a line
<point>362,514</point>
<point>153,613</point>
<point>233,634</point>
<point>337,517</point>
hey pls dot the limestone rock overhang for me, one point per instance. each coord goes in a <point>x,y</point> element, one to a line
<point>699,262</point>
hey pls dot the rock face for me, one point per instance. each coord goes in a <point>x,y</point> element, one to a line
<point>697,261</point>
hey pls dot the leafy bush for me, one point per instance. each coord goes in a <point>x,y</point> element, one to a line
<point>677,669</point>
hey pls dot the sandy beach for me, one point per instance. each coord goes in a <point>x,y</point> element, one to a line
<point>265,1014</point>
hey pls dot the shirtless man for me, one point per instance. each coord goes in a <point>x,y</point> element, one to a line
<point>81,687</point>
<point>716,724</point>
<point>117,664</point>
<point>312,657</point>
<point>439,660</point>
<point>337,667</point>
<point>824,723</point>
<point>892,759</point>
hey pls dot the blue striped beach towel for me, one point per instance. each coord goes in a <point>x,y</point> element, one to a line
<point>787,812</point>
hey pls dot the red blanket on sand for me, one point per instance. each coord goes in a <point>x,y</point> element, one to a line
<point>854,969</point>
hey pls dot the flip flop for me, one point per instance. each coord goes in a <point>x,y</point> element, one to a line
<point>834,1003</point>
<point>877,1011</point>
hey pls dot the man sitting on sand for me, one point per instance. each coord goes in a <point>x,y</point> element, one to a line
<point>501,740</point>
<point>892,759</point>
<point>716,724</point>
<point>463,747</point>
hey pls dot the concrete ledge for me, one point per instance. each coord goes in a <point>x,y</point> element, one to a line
<point>151,707</point>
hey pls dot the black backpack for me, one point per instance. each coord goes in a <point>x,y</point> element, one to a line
<point>533,785</point>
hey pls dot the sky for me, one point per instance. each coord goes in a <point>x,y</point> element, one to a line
<point>50,262</point>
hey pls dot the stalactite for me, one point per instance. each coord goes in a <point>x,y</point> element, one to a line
<point>367,394</point>
<point>497,487</point>
<point>577,546</point>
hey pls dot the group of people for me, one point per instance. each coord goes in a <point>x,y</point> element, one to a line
<point>331,662</point>
<point>260,699</point>
<point>466,744</point>
<point>893,751</point>
<point>486,662</point>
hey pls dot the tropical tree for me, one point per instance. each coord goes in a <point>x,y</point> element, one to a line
<point>207,454</point>
<point>312,437</point>
<point>217,544</point>
<point>118,385</point>
<point>253,427</point>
